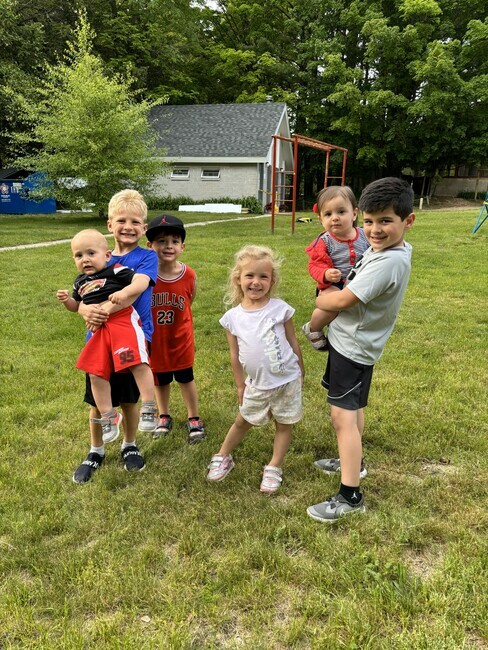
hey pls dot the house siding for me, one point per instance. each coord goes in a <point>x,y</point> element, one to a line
<point>236,181</point>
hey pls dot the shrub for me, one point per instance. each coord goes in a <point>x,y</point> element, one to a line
<point>173,202</point>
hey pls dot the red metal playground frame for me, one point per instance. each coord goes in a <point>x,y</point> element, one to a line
<point>298,140</point>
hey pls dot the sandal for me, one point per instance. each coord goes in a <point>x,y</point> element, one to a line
<point>272,478</point>
<point>317,340</point>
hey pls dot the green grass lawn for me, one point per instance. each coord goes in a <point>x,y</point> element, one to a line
<point>165,560</point>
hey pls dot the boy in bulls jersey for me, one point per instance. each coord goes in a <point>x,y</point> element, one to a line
<point>118,344</point>
<point>173,347</point>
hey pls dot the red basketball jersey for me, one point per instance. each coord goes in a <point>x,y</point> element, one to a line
<point>173,345</point>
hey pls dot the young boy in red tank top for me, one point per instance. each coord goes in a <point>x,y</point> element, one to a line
<point>173,347</point>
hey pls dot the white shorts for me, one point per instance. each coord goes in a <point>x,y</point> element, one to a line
<point>284,404</point>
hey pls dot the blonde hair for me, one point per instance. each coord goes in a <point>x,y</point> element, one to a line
<point>329,193</point>
<point>95,235</point>
<point>234,294</point>
<point>127,200</point>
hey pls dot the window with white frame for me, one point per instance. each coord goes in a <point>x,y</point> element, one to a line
<point>180,174</point>
<point>210,173</point>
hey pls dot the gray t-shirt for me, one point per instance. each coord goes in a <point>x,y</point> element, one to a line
<point>379,280</point>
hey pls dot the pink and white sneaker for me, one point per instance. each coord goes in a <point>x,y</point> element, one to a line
<point>219,467</point>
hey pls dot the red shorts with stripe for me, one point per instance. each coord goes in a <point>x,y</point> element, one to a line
<point>116,346</point>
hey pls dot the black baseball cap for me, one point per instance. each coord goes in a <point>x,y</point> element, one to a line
<point>165,222</point>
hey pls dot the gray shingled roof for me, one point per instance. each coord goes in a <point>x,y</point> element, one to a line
<point>217,130</point>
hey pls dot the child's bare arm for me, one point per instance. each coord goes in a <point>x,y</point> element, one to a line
<point>126,296</point>
<point>193,295</point>
<point>70,303</point>
<point>237,369</point>
<point>336,300</point>
<point>293,341</point>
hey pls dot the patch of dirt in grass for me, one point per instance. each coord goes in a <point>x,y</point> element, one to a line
<point>441,466</point>
<point>475,641</point>
<point>450,203</point>
<point>4,543</point>
<point>423,564</point>
<point>232,635</point>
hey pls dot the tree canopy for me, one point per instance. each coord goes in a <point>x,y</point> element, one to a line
<point>90,135</point>
<point>399,83</point>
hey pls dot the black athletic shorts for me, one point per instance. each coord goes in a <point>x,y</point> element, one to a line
<point>348,382</point>
<point>123,388</point>
<point>181,376</point>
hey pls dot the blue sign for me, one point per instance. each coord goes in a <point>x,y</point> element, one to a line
<point>14,197</point>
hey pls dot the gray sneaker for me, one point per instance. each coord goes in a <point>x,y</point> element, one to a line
<point>110,426</point>
<point>148,419</point>
<point>334,509</point>
<point>333,465</point>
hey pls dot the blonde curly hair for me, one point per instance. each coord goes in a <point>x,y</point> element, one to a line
<point>234,294</point>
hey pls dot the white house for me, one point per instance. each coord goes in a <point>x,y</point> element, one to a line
<point>221,150</point>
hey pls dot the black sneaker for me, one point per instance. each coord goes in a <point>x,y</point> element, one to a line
<point>87,468</point>
<point>133,460</point>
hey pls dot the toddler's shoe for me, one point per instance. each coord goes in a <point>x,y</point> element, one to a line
<point>148,419</point>
<point>272,479</point>
<point>196,430</point>
<point>317,340</point>
<point>219,467</point>
<point>110,426</point>
<point>165,424</point>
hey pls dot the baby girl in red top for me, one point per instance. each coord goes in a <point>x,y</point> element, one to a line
<point>333,253</point>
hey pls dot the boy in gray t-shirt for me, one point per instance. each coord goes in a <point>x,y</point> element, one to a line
<point>368,306</point>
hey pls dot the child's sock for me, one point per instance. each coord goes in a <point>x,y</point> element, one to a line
<point>97,450</point>
<point>351,494</point>
<point>151,404</point>
<point>126,444</point>
<point>109,414</point>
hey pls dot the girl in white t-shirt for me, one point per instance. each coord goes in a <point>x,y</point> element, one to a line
<point>264,347</point>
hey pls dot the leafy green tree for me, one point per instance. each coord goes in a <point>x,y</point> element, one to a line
<point>156,41</point>
<point>398,83</point>
<point>88,126</point>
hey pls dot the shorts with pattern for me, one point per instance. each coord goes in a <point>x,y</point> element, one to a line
<point>284,404</point>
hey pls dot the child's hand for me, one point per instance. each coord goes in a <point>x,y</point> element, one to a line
<point>332,275</point>
<point>92,328</point>
<point>94,315</point>
<point>117,298</point>
<point>62,295</point>
<point>240,394</point>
